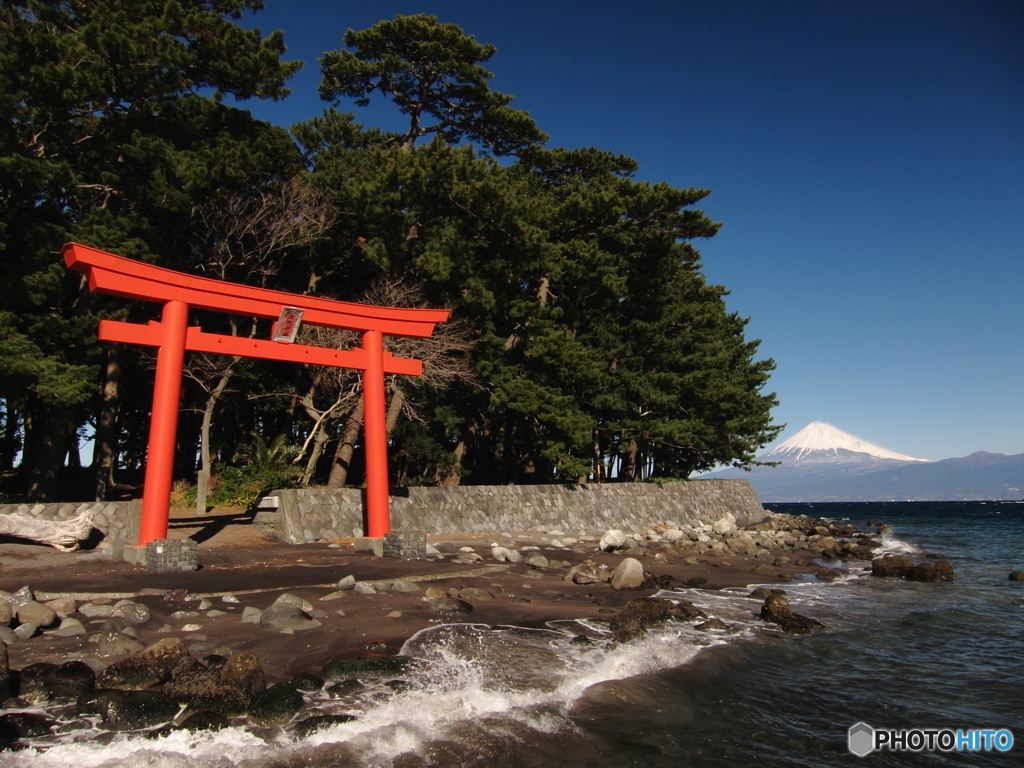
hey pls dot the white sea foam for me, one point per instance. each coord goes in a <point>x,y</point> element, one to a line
<point>891,545</point>
<point>464,673</point>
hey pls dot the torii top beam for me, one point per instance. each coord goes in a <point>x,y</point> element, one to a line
<point>132,279</point>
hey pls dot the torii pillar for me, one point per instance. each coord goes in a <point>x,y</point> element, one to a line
<point>172,336</point>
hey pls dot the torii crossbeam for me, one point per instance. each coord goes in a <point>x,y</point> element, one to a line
<point>179,292</point>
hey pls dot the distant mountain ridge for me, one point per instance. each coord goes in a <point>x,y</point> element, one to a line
<point>823,463</point>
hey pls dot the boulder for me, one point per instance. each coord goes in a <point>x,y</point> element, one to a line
<point>309,726</point>
<point>712,624</point>
<point>64,606</point>
<point>276,705</point>
<point>204,720</point>
<point>637,615</point>
<point>200,688</point>
<point>243,671</point>
<point>943,570</point>
<point>41,615</point>
<point>26,631</point>
<point>251,615</point>
<point>135,614</point>
<point>611,540</point>
<point>140,709</point>
<point>23,725</point>
<point>777,611</point>
<point>5,674</point>
<point>364,667</point>
<point>32,685</point>
<point>537,561</point>
<point>151,666</point>
<point>831,574</point>
<point>289,612</point>
<point>449,605</point>
<point>475,594</point>
<point>628,575</point>
<point>6,613</point>
<point>70,680</point>
<point>725,524</point>
<point>505,555</point>
<point>1016,576</point>
<point>891,565</point>
<point>117,644</point>
<point>304,681</point>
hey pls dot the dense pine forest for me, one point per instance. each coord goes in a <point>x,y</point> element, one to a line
<point>585,344</point>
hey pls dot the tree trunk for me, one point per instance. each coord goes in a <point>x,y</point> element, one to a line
<point>346,447</point>
<point>203,477</point>
<point>394,411</point>
<point>454,476</point>
<point>629,464</point>
<point>106,425</point>
<point>314,455</point>
<point>49,436</point>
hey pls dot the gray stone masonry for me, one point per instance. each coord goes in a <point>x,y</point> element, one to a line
<point>119,520</point>
<point>169,555</point>
<point>321,514</point>
<point>405,545</point>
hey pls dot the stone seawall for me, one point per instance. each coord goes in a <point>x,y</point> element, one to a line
<point>320,514</point>
<point>119,520</point>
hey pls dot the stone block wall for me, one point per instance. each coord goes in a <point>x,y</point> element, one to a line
<point>119,520</point>
<point>319,514</point>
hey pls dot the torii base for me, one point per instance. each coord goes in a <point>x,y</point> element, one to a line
<point>163,555</point>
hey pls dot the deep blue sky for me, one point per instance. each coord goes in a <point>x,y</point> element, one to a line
<point>866,158</point>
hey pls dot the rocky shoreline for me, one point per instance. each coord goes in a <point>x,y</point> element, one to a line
<point>262,634</point>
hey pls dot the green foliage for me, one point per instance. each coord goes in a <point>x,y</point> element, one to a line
<point>599,350</point>
<point>239,487</point>
<point>432,72</point>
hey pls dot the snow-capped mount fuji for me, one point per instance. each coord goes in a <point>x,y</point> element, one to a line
<point>823,463</point>
<point>819,442</point>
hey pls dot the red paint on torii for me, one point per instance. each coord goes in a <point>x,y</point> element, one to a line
<point>179,292</point>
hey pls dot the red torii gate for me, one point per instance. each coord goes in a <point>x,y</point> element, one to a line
<point>179,292</point>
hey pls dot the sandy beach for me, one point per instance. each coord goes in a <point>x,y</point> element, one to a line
<point>239,563</point>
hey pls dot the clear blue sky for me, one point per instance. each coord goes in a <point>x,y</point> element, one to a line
<point>866,158</point>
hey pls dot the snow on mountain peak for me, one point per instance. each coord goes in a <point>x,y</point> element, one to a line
<point>819,436</point>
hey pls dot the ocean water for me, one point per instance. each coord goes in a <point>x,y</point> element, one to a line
<point>894,654</point>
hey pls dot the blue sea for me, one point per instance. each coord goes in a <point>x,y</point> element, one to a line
<point>895,655</point>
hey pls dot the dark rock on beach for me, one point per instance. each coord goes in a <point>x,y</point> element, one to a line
<point>200,688</point>
<point>901,566</point>
<point>364,667</point>
<point>304,681</point>
<point>70,680</point>
<point>22,725</point>
<point>137,710</point>
<point>831,574</point>
<point>311,725</point>
<point>892,565</point>
<point>777,611</point>
<point>940,571</point>
<point>641,613</point>
<point>151,666</point>
<point>276,705</point>
<point>32,682</point>
<point>204,720</point>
